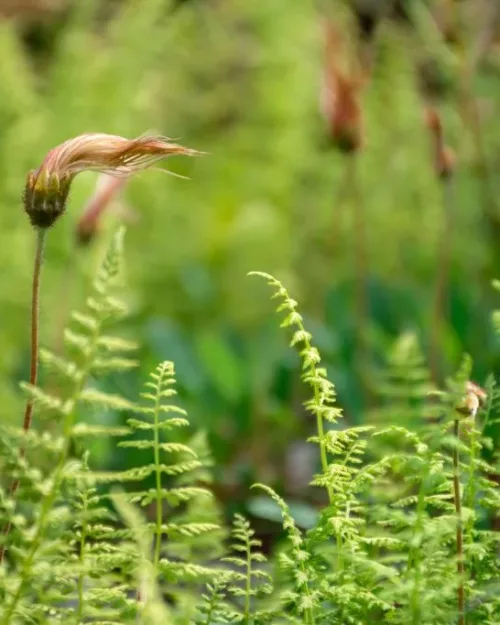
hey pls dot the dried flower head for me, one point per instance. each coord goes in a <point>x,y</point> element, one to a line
<point>107,189</point>
<point>340,96</point>
<point>472,400</point>
<point>47,187</point>
<point>444,157</point>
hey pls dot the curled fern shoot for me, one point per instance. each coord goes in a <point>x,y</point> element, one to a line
<point>322,405</point>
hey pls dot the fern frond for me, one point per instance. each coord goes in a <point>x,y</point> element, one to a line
<point>36,550</point>
<point>248,580</point>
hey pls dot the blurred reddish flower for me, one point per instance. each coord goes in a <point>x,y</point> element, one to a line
<point>444,157</point>
<point>341,94</point>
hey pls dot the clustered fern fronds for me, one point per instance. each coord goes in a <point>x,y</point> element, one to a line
<point>393,557</point>
<point>214,607</point>
<point>403,536</point>
<point>41,557</point>
<point>102,559</point>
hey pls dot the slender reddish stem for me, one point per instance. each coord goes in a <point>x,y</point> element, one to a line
<point>28,412</point>
<point>460,538</point>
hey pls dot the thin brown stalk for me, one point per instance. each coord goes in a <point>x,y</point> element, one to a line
<point>470,62</point>
<point>460,538</point>
<point>341,197</point>
<point>440,304</point>
<point>361,271</point>
<point>486,36</point>
<point>28,412</point>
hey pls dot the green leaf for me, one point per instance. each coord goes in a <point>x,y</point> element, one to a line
<point>222,366</point>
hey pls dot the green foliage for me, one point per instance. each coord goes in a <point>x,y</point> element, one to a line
<point>114,522</point>
<point>383,548</point>
<point>269,194</point>
<point>250,582</point>
<point>45,575</point>
<point>182,541</point>
<point>101,558</point>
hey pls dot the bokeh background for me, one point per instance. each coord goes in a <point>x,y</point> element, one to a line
<point>385,257</point>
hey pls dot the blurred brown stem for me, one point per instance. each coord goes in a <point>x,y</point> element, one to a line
<point>486,34</point>
<point>361,270</point>
<point>470,110</point>
<point>28,413</point>
<point>440,304</point>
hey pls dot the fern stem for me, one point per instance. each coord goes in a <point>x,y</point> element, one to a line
<point>211,609</point>
<point>321,437</point>
<point>319,418</point>
<point>35,318</point>
<point>414,558</point>
<point>159,502</point>
<point>81,561</point>
<point>458,511</point>
<point>322,446</point>
<point>248,584</point>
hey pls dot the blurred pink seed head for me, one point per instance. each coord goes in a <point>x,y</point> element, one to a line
<point>444,157</point>
<point>107,190</point>
<point>340,97</point>
<point>47,187</point>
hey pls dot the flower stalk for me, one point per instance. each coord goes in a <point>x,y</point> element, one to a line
<point>341,107</point>
<point>341,95</point>
<point>444,165</point>
<point>33,379</point>
<point>45,198</point>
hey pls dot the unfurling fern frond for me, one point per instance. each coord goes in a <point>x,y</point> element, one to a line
<point>349,583</point>
<point>322,404</point>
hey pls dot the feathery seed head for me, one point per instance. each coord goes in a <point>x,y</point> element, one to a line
<point>47,187</point>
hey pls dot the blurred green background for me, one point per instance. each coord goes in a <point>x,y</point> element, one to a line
<point>241,81</point>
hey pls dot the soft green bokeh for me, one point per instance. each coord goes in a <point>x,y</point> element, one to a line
<point>240,81</point>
